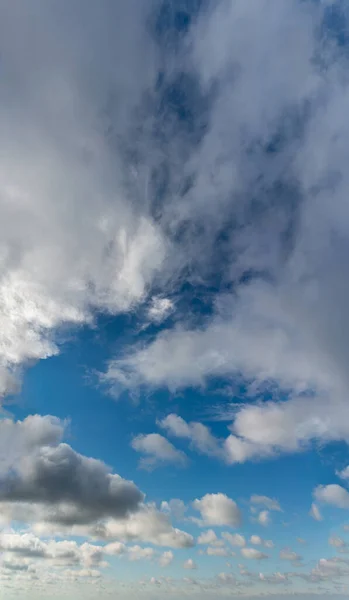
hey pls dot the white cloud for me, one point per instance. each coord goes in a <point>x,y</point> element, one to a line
<point>55,489</point>
<point>344,473</point>
<point>336,541</point>
<point>315,512</point>
<point>147,525</point>
<point>158,451</point>
<point>269,503</point>
<point>253,553</point>
<point>333,494</point>
<point>175,508</point>
<point>212,551</point>
<point>218,509</point>
<point>199,435</point>
<point>159,309</point>
<point>234,539</point>
<point>256,540</point>
<point>207,537</point>
<point>166,558</point>
<point>264,518</point>
<point>62,201</point>
<point>189,564</point>
<point>289,555</point>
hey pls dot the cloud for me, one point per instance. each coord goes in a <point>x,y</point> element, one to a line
<point>289,555</point>
<point>252,553</point>
<point>147,525</point>
<point>158,451</point>
<point>73,488</point>
<point>333,494</point>
<point>207,537</point>
<point>269,503</point>
<point>211,551</point>
<point>56,553</point>
<point>256,540</point>
<point>234,539</point>
<point>175,508</point>
<point>166,558</point>
<point>159,309</point>
<point>344,473</point>
<point>218,509</point>
<point>189,564</point>
<point>46,483</point>
<point>264,518</point>
<point>315,512</point>
<point>336,542</point>
<point>200,437</point>
<point>63,201</point>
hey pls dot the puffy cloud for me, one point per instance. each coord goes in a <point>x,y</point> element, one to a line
<point>166,558</point>
<point>56,553</point>
<point>189,564</point>
<point>218,509</point>
<point>253,553</point>
<point>332,494</point>
<point>288,554</point>
<point>315,512</point>
<point>207,537</point>
<point>63,199</point>
<point>158,450</point>
<point>146,525</point>
<point>199,435</point>
<point>256,540</point>
<point>175,507</point>
<point>46,483</point>
<point>234,539</point>
<point>264,518</point>
<point>269,503</point>
<point>73,488</point>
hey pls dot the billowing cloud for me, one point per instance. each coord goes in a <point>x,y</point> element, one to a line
<point>253,553</point>
<point>46,483</point>
<point>157,450</point>
<point>189,564</point>
<point>166,558</point>
<point>234,539</point>
<point>218,509</point>
<point>332,494</point>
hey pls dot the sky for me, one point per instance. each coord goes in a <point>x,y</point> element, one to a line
<point>174,325</point>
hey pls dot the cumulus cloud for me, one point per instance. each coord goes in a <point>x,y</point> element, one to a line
<point>207,537</point>
<point>189,564</point>
<point>146,525</point>
<point>289,555</point>
<point>253,553</point>
<point>166,558</point>
<point>46,483</point>
<point>234,539</point>
<point>264,518</point>
<point>218,509</point>
<point>332,494</point>
<point>256,540</point>
<point>199,435</point>
<point>158,450</point>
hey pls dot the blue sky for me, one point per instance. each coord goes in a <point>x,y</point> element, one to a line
<point>174,328</point>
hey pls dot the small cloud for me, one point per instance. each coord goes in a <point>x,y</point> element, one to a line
<point>189,564</point>
<point>315,512</point>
